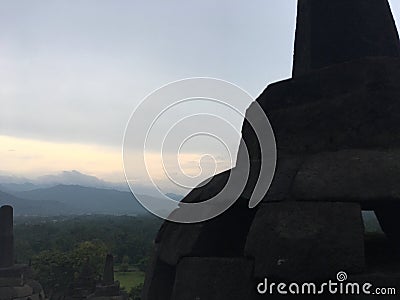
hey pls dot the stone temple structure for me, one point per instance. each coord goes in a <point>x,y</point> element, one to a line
<point>16,281</point>
<point>108,289</point>
<point>87,287</point>
<point>337,128</point>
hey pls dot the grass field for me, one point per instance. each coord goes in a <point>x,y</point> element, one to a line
<point>130,279</point>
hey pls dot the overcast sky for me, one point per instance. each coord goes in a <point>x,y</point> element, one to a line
<point>71,72</point>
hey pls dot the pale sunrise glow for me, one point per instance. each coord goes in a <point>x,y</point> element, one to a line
<point>32,158</point>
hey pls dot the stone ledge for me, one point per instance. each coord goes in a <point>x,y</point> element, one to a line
<point>369,177</point>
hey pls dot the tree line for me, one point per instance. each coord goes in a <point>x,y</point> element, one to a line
<point>58,247</point>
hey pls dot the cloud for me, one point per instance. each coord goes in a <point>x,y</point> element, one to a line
<point>75,82</point>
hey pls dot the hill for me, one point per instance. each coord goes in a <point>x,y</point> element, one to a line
<point>87,200</point>
<point>37,208</point>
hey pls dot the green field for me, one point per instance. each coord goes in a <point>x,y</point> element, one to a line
<point>130,279</point>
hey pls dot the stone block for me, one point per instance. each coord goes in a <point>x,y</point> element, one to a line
<point>306,240</point>
<point>159,280</point>
<point>286,170</point>
<point>370,177</point>
<point>35,285</point>
<point>7,293</point>
<point>351,105</point>
<point>220,236</point>
<point>213,279</point>
<point>4,281</point>
<point>15,271</point>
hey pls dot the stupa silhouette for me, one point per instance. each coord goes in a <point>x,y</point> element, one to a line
<point>337,128</point>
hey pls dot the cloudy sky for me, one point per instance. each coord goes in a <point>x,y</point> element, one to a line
<point>71,72</point>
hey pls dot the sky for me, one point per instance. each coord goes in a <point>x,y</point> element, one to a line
<point>72,72</point>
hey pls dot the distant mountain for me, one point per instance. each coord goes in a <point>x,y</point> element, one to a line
<point>77,178</point>
<point>37,208</point>
<point>87,200</point>
<point>175,197</point>
<point>21,184</point>
<point>17,187</point>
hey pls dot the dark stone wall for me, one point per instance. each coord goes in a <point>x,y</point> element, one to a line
<point>331,32</point>
<point>6,237</point>
<point>354,105</point>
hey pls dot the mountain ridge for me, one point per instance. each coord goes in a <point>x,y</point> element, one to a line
<point>87,200</point>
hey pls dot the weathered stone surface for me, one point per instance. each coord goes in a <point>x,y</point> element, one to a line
<point>370,177</point>
<point>330,32</point>
<point>352,105</point>
<point>388,217</point>
<point>108,274</point>
<point>286,170</point>
<point>6,237</point>
<point>121,297</point>
<point>306,241</point>
<point>178,240</point>
<point>15,271</point>
<point>159,281</point>
<point>213,279</point>
<point>7,293</point>
<point>222,236</point>
<point>33,297</point>
<point>107,290</point>
<point>340,98</point>
<point>36,286</point>
<point>208,189</point>
<point>11,281</point>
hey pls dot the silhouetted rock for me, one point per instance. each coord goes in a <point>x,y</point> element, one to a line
<point>8,293</point>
